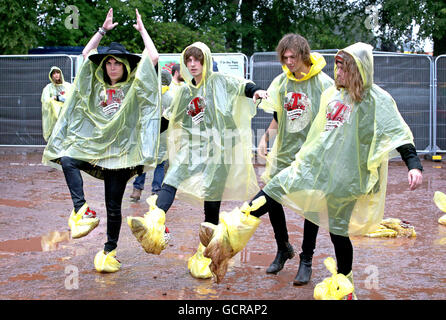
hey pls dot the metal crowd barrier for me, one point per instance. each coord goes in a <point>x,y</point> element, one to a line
<point>416,82</point>
<point>23,78</point>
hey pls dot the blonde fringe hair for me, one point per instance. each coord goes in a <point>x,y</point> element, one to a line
<point>354,83</point>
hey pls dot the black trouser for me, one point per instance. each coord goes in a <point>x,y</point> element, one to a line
<point>342,245</point>
<point>115,182</point>
<point>276,217</point>
<point>166,196</point>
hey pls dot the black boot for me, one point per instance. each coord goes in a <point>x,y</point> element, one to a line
<point>281,257</point>
<point>304,273</point>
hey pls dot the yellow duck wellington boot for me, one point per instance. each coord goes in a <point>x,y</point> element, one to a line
<point>150,230</point>
<point>198,264</point>
<point>82,222</point>
<point>106,261</point>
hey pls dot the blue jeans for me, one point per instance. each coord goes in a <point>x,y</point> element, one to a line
<point>158,177</point>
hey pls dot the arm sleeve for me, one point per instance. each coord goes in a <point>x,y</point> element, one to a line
<point>409,156</point>
<point>250,89</point>
<point>164,124</point>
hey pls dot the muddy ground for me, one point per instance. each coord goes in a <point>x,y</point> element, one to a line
<point>38,260</point>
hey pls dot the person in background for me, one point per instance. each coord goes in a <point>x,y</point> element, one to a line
<point>177,79</point>
<point>53,98</point>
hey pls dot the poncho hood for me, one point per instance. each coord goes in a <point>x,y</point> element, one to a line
<point>363,55</point>
<point>53,68</point>
<point>207,65</point>
<point>99,73</point>
<point>317,64</point>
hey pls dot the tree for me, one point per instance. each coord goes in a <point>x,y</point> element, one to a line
<point>398,18</point>
<point>18,25</point>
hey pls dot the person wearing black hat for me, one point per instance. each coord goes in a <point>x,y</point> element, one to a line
<point>109,129</point>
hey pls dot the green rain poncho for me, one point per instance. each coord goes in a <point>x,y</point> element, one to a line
<point>50,107</point>
<point>296,102</point>
<point>338,179</point>
<point>109,127</point>
<point>209,137</point>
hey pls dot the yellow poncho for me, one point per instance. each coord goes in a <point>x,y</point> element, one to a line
<point>109,127</point>
<point>50,107</point>
<point>296,102</point>
<point>338,179</point>
<point>209,137</point>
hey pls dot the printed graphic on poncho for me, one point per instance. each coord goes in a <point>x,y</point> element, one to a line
<point>297,106</point>
<point>111,101</point>
<point>337,114</point>
<point>195,109</point>
<point>60,93</point>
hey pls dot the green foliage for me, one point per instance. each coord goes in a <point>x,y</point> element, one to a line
<point>18,26</point>
<point>228,25</point>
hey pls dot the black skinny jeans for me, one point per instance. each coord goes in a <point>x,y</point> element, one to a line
<point>115,182</point>
<point>166,196</point>
<point>342,245</point>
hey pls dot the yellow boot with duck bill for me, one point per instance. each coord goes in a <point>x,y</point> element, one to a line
<point>106,261</point>
<point>82,222</point>
<point>150,230</point>
<point>230,236</point>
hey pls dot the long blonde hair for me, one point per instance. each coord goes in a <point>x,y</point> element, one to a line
<point>353,80</point>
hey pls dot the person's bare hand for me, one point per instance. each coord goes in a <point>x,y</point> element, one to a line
<point>415,178</point>
<point>262,149</point>
<point>139,24</point>
<point>260,94</point>
<point>108,23</point>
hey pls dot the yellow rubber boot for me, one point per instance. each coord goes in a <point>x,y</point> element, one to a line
<point>231,235</point>
<point>198,264</point>
<point>82,222</point>
<point>106,262</point>
<point>336,287</point>
<point>150,230</point>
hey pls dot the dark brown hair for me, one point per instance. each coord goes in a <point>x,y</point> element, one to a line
<point>107,78</point>
<point>194,52</point>
<point>297,44</point>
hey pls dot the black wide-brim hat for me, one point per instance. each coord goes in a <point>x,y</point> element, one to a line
<point>118,50</point>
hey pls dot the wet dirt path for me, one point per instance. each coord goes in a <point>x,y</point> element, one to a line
<point>38,260</point>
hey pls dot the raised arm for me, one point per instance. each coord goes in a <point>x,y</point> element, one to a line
<point>106,26</point>
<point>148,43</point>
